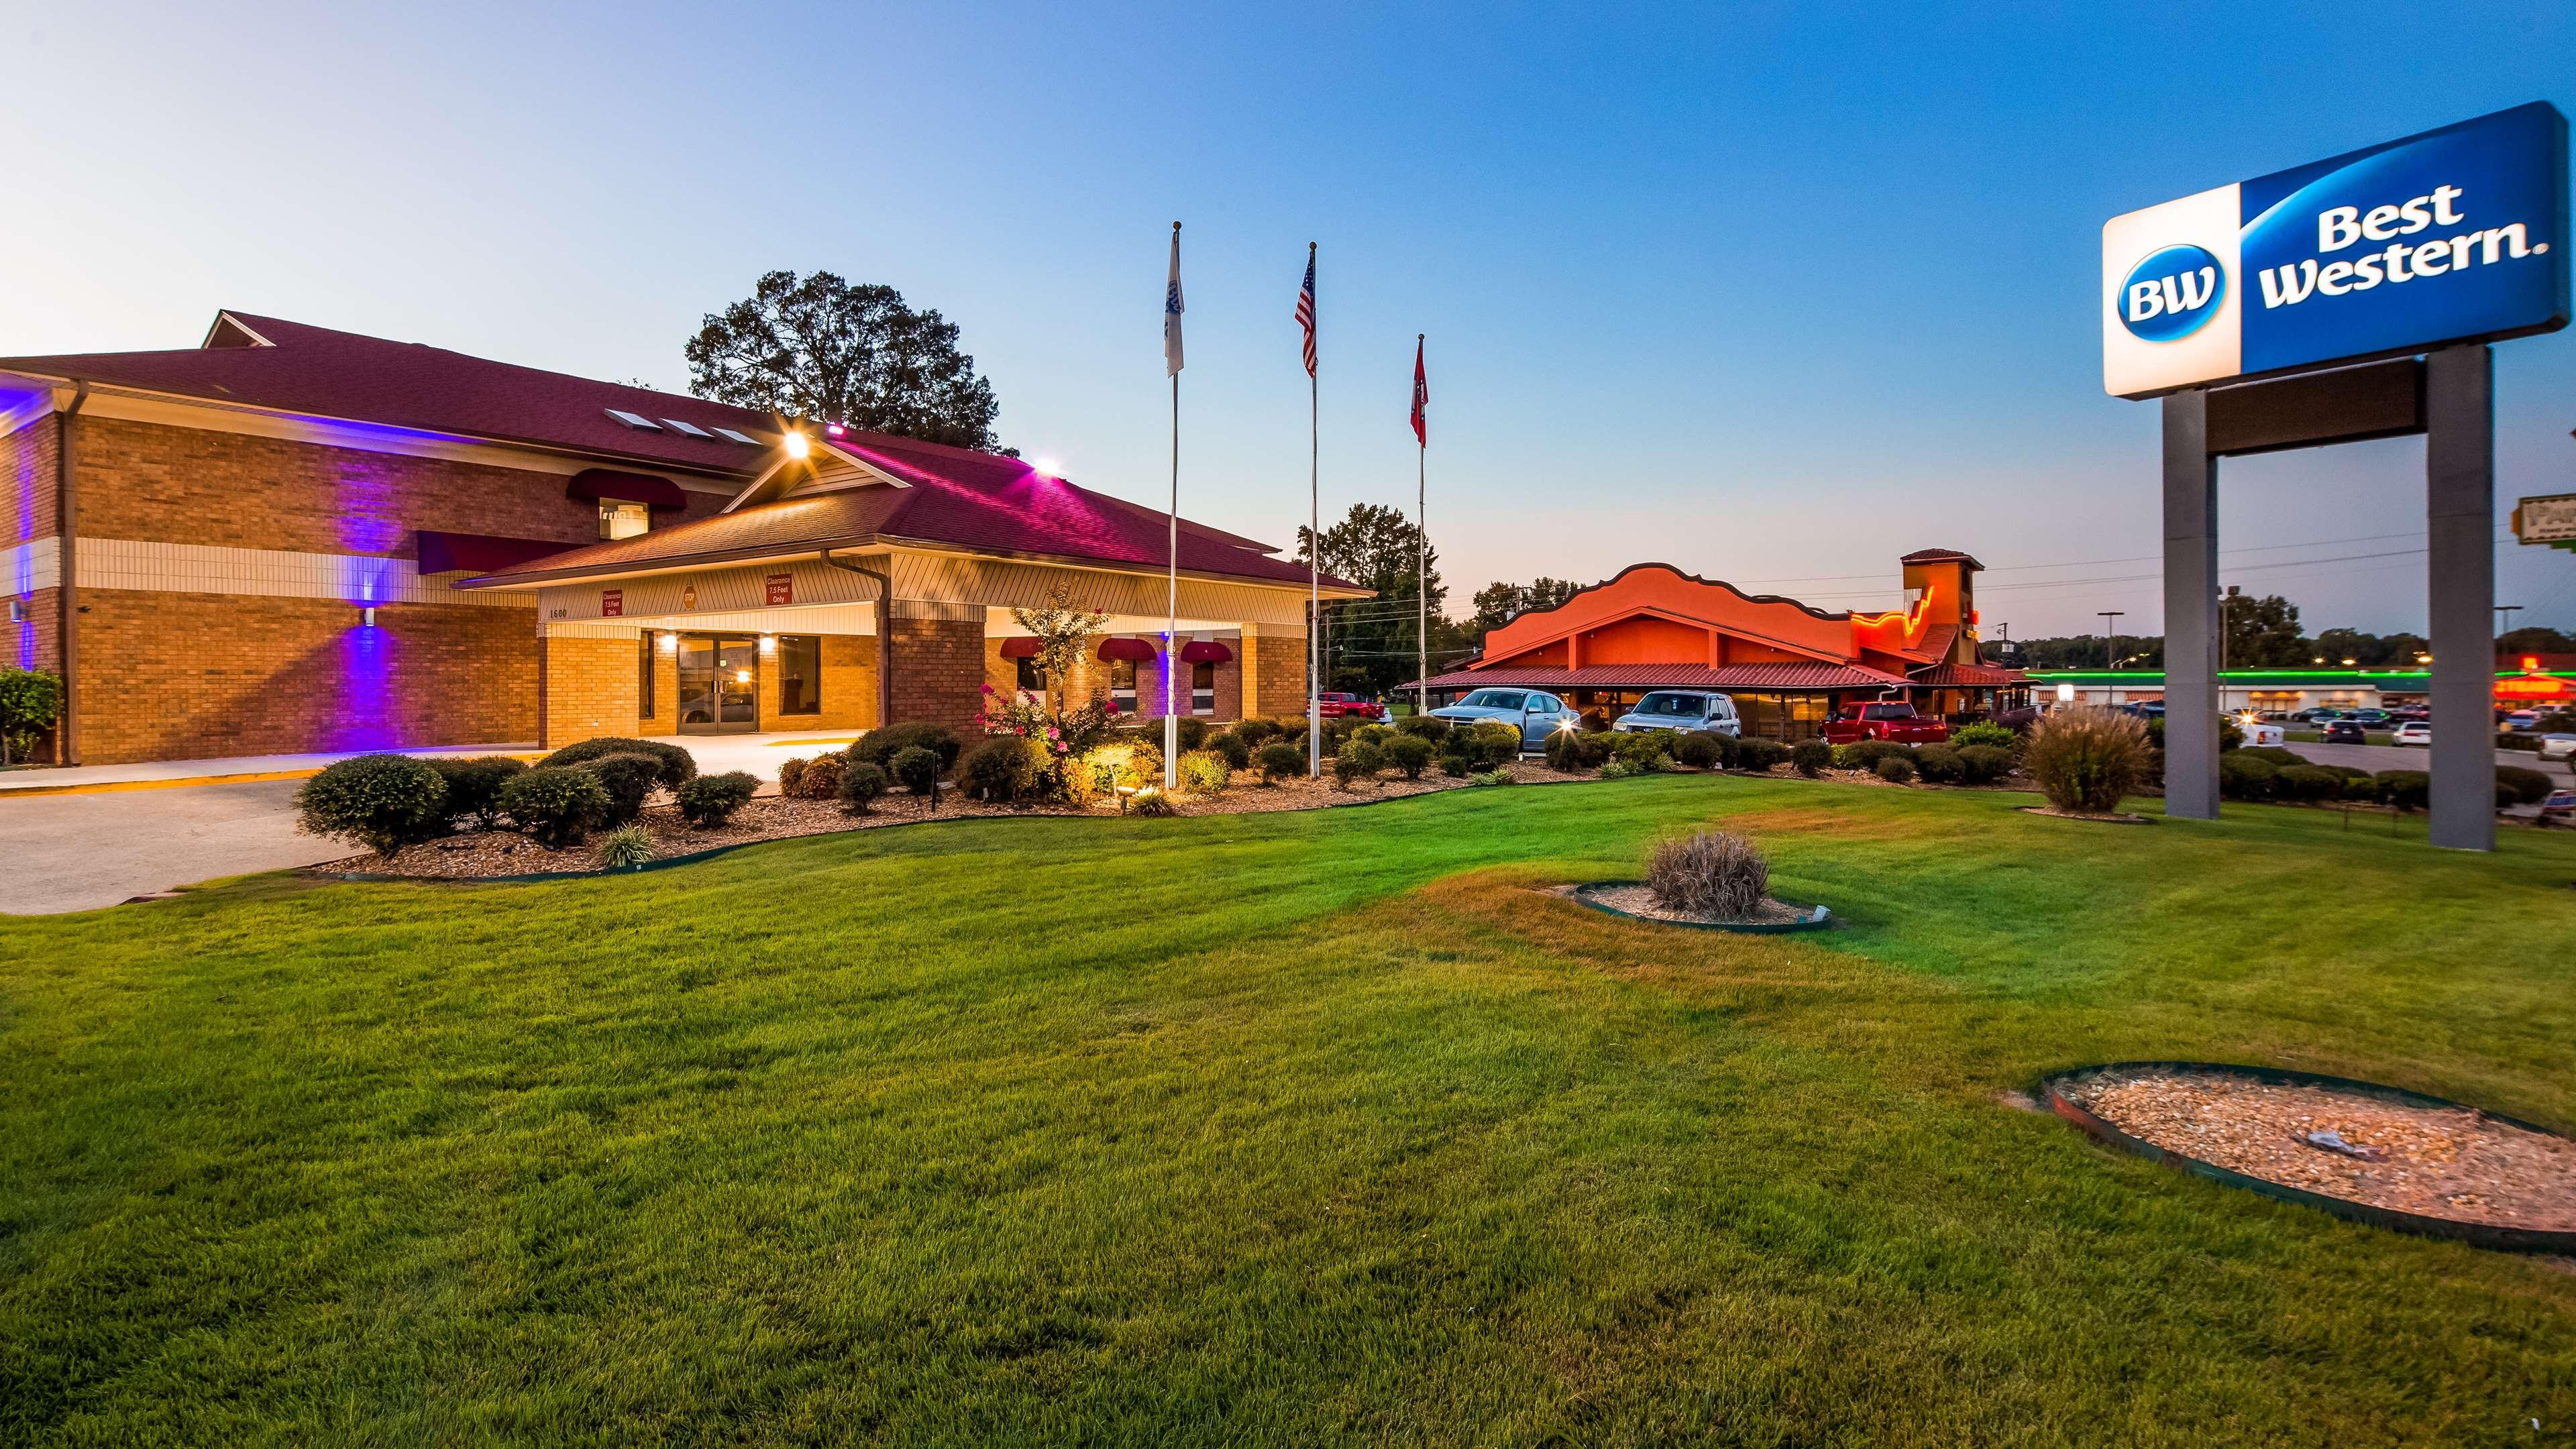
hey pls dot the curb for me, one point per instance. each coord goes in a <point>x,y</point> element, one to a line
<point>2479,1235</point>
<point>1822,920</point>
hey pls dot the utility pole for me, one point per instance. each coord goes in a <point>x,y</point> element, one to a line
<point>2504,618</point>
<point>2110,637</point>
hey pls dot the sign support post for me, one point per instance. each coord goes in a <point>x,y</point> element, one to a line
<point>2459,477</point>
<point>2191,609</point>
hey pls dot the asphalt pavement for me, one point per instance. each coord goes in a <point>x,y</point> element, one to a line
<point>2376,758</point>
<point>80,852</point>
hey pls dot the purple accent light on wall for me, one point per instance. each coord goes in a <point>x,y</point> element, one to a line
<point>365,581</point>
<point>364,717</point>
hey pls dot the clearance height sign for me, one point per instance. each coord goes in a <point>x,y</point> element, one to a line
<point>2455,235</point>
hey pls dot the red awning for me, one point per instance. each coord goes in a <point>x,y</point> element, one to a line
<point>598,483</point>
<point>1136,649</point>
<point>1020,648</point>
<point>1205,651</point>
<point>479,553</point>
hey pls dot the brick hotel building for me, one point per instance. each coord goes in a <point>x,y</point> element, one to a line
<point>293,539</point>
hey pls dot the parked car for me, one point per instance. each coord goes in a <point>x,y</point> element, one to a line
<point>1688,710</point>
<point>2346,732</point>
<point>1349,706</point>
<point>2318,715</point>
<point>2256,732</point>
<point>2520,721</point>
<point>2406,712</point>
<point>2559,808</point>
<point>1533,712</point>
<point>2413,732</point>
<point>1895,722</point>
<point>2558,747</point>
<point>2372,718</point>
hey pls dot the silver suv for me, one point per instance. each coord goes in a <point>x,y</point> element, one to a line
<point>1690,711</point>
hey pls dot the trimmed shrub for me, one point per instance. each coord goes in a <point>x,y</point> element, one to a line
<point>711,800</point>
<point>474,785</point>
<point>1940,764</point>
<point>823,776</point>
<point>1357,761</point>
<point>628,779</point>
<point>916,768</point>
<point>1865,754</point>
<point>1423,726</point>
<point>2405,789</point>
<point>677,765</point>
<point>1811,757</point>
<point>1194,732</point>
<point>383,802</point>
<point>860,785</point>
<point>2086,759</point>
<point>2277,757</point>
<point>1205,772</point>
<point>626,847</point>
<point>1698,751</point>
<point>1494,743</point>
<point>2307,783</point>
<point>1730,751</point>
<point>1984,764</point>
<point>1373,734</point>
<point>789,776</point>
<point>558,807</point>
<point>1712,874</point>
<point>1458,761</point>
<point>1564,751</point>
<point>880,746</point>
<point>1410,755</point>
<point>1279,761</point>
<point>2529,787</point>
<point>2243,777</point>
<point>1758,756</point>
<point>1235,748</point>
<point>1256,731</point>
<point>998,770</point>
<point>30,701</point>
<point>2364,786</point>
<point>1644,749</point>
<point>1620,767</point>
<point>1895,769</point>
<point>1992,735</point>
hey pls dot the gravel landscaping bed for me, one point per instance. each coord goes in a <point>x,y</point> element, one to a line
<point>2458,1164</point>
<point>1636,898</point>
<point>769,816</point>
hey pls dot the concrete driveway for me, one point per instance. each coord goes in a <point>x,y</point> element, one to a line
<point>80,852</point>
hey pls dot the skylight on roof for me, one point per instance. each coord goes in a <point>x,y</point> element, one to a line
<point>692,429</point>
<point>635,420</point>
<point>738,436</point>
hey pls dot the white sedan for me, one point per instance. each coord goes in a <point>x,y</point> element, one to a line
<point>2414,732</point>
<point>2558,747</point>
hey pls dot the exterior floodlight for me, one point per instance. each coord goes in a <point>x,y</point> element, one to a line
<point>367,616</point>
<point>2066,694</point>
<point>795,445</point>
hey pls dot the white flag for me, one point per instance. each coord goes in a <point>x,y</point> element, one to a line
<point>1172,310</point>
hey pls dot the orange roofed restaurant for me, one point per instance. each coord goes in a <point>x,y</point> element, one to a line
<point>1788,667</point>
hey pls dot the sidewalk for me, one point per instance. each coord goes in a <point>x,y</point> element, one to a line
<point>759,755</point>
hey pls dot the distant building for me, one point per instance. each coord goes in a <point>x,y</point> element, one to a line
<point>1787,666</point>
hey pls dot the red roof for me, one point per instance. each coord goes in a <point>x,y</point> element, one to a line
<point>1966,676</point>
<point>975,502</point>
<point>343,375</point>
<point>1673,676</point>
<point>1940,555</point>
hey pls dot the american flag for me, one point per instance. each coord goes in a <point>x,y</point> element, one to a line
<point>1306,309</point>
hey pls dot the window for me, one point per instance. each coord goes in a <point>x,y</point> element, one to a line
<point>1032,675</point>
<point>736,435</point>
<point>618,519</point>
<point>644,675</point>
<point>1678,706</point>
<point>635,420</point>
<point>1495,699</point>
<point>800,674</point>
<point>690,429</point>
<point>1203,688</point>
<point>1122,684</point>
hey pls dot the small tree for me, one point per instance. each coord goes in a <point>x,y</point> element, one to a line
<point>30,699</point>
<point>1066,731</point>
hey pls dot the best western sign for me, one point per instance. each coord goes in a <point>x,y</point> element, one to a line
<point>2455,235</point>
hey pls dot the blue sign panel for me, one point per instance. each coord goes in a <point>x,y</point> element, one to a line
<point>2454,235</point>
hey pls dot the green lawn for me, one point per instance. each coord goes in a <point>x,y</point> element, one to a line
<point>1272,1129</point>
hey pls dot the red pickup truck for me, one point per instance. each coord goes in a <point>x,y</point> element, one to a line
<point>1348,706</point>
<point>1894,722</point>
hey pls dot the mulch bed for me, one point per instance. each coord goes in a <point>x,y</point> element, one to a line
<point>2457,1164</point>
<point>768,816</point>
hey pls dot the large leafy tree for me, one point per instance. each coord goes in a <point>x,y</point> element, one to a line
<point>2262,631</point>
<point>1499,603</point>
<point>821,347</point>
<point>1370,643</point>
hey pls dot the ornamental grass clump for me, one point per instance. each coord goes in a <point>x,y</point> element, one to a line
<point>626,847</point>
<point>1710,874</point>
<point>2086,759</point>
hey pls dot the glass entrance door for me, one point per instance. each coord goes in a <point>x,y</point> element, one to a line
<point>719,685</point>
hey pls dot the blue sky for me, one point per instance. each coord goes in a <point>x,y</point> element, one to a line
<point>1774,293</point>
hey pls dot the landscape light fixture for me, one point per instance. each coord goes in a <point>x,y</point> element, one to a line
<point>367,616</point>
<point>2349,663</point>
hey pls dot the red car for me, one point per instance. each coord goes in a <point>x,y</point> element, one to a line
<point>1349,706</point>
<point>1895,722</point>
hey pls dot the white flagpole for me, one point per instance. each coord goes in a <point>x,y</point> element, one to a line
<point>1172,624</point>
<point>1422,567</point>
<point>1314,564</point>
